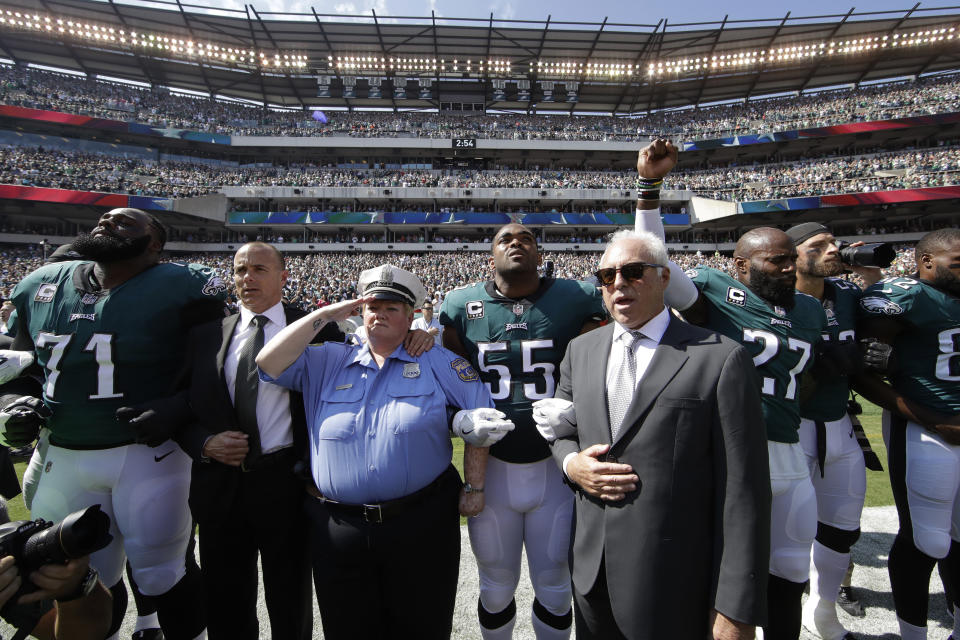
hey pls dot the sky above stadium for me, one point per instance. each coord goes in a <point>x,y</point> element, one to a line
<point>635,12</point>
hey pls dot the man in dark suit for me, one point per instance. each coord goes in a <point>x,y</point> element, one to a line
<point>664,443</point>
<point>245,439</point>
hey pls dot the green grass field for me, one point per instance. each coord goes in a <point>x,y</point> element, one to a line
<point>878,485</point>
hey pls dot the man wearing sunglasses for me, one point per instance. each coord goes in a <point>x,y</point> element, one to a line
<point>666,446</point>
<point>514,329</point>
<point>780,327</point>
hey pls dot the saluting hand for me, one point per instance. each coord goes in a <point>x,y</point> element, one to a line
<point>609,481</point>
<point>657,159</point>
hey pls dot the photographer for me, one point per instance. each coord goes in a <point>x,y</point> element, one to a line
<point>70,602</point>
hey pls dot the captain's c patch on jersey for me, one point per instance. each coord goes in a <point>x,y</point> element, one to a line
<point>736,296</point>
<point>464,371</point>
<point>474,309</point>
<point>46,292</point>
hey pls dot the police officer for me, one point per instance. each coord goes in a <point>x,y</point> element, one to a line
<point>385,534</point>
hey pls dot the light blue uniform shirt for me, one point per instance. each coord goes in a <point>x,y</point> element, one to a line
<point>379,434</point>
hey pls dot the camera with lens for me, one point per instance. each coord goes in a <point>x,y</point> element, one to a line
<point>34,543</point>
<point>874,254</point>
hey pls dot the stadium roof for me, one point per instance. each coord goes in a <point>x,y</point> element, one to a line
<point>314,60</point>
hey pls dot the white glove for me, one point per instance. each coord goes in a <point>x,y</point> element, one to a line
<point>481,427</point>
<point>555,418</point>
<point>12,364</point>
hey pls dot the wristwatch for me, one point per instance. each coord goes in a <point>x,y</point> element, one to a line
<point>469,488</point>
<point>83,589</point>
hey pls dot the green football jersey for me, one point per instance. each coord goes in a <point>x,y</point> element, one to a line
<point>517,346</point>
<point>928,347</point>
<point>840,301</point>
<point>781,342</point>
<point>104,349</point>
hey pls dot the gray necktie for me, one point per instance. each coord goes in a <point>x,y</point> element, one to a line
<point>247,385</point>
<point>620,393</point>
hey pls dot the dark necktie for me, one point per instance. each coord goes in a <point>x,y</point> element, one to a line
<point>247,384</point>
<point>620,393</point>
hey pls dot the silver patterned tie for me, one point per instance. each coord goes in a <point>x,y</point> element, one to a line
<point>620,393</point>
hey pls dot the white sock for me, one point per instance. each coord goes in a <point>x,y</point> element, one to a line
<point>829,567</point>
<point>147,622</point>
<point>911,632</point>
<point>543,631</point>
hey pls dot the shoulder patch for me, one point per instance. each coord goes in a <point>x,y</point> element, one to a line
<point>464,371</point>
<point>46,292</point>
<point>214,286</point>
<point>875,304</point>
<point>474,309</point>
<point>736,296</point>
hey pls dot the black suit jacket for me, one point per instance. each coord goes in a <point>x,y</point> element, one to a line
<point>698,523</point>
<point>204,388</point>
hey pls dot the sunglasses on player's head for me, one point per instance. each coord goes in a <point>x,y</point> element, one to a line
<point>629,271</point>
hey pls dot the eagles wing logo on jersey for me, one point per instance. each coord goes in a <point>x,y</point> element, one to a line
<point>691,273</point>
<point>874,304</point>
<point>214,286</point>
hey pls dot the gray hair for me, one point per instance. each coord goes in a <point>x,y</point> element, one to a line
<point>650,241</point>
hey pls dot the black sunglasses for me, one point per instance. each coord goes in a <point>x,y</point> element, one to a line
<point>630,271</point>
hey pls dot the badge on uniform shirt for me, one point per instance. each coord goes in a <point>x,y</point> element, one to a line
<point>474,309</point>
<point>411,370</point>
<point>464,371</point>
<point>46,292</point>
<point>341,387</point>
<point>89,298</point>
<point>518,308</point>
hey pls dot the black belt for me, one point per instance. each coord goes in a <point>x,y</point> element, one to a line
<point>378,513</point>
<point>269,460</point>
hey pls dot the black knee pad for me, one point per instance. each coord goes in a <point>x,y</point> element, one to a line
<point>783,609</point>
<point>181,610</point>
<point>839,540</point>
<point>119,608</point>
<point>910,571</point>
<point>496,620</point>
<point>560,622</point>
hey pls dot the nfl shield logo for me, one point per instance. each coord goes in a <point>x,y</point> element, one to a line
<point>780,311</point>
<point>518,308</point>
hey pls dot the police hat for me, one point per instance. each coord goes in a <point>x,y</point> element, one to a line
<point>388,282</point>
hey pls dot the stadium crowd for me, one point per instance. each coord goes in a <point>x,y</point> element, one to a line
<point>71,94</point>
<point>40,167</point>
<point>323,278</point>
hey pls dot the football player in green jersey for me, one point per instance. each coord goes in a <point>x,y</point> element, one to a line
<point>834,457</point>
<point>761,309</point>
<point>107,333</point>
<point>919,318</point>
<point>514,329</point>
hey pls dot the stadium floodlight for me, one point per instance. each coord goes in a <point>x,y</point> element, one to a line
<point>146,43</point>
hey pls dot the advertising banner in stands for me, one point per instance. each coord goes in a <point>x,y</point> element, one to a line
<point>849,199</point>
<point>8,111</point>
<point>823,132</point>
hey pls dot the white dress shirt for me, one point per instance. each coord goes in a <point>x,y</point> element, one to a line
<point>643,349</point>
<point>421,323</point>
<point>273,402</point>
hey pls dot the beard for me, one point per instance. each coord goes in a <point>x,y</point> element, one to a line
<point>821,269</point>
<point>772,290</point>
<point>108,248</point>
<point>945,280</point>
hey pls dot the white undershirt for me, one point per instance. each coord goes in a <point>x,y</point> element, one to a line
<point>273,402</point>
